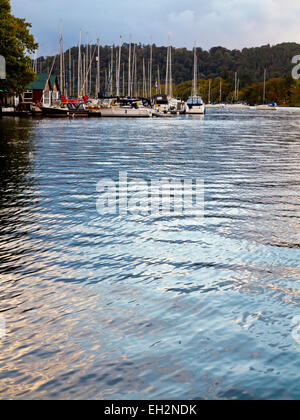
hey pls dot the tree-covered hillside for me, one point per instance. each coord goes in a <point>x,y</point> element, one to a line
<point>218,62</point>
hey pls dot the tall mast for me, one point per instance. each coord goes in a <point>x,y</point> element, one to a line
<point>123,80</point>
<point>170,67</point>
<point>133,71</point>
<point>119,68</point>
<point>61,59</point>
<point>70,73</point>
<point>79,64</point>
<point>144,79</point>
<point>221,90</point>
<point>129,67</point>
<point>150,72</point>
<point>209,90</point>
<point>98,70</point>
<point>235,89</point>
<point>265,79</point>
<point>136,87</point>
<point>91,64</point>
<point>158,80</point>
<point>167,73</point>
<point>111,71</point>
<point>86,61</point>
<point>195,90</point>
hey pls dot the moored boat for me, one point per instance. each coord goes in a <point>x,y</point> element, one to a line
<point>120,108</point>
<point>66,110</point>
<point>195,104</point>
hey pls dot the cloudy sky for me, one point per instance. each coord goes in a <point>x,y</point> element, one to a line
<point>230,23</point>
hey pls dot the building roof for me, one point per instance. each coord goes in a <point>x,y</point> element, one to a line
<point>40,82</point>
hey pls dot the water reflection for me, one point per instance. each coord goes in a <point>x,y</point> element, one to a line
<point>124,307</point>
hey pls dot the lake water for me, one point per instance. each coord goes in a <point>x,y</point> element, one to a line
<point>143,307</point>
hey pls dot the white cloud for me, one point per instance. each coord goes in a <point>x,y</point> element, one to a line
<point>231,23</point>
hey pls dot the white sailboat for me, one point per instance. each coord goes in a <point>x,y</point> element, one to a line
<point>195,104</point>
<point>266,107</point>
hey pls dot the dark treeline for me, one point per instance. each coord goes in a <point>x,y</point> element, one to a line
<point>218,62</point>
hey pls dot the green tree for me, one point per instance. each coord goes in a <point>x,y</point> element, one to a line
<point>16,43</point>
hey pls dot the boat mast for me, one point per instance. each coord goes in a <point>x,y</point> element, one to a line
<point>221,90</point>
<point>79,64</point>
<point>123,80</point>
<point>150,73</point>
<point>112,71</point>
<point>171,79</point>
<point>132,73</point>
<point>195,90</point>
<point>70,74</point>
<point>61,59</point>
<point>209,90</point>
<point>136,84</point>
<point>129,67</point>
<point>265,79</point>
<point>86,61</point>
<point>235,87</point>
<point>167,73</point>
<point>144,79</point>
<point>158,80</point>
<point>98,70</point>
<point>90,58</point>
<point>119,68</point>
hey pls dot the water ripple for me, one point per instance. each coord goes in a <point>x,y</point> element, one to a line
<point>150,307</point>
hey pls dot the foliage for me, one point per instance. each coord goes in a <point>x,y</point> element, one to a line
<point>249,63</point>
<point>16,43</point>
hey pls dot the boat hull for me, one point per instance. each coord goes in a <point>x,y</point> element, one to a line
<point>64,113</point>
<point>196,110</point>
<point>125,113</point>
<point>266,108</point>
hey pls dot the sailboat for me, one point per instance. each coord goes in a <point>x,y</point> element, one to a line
<point>270,106</point>
<point>195,104</point>
<point>237,104</point>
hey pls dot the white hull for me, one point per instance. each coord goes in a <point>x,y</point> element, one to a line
<point>195,110</point>
<point>119,112</point>
<point>237,106</point>
<point>266,108</point>
<point>215,106</point>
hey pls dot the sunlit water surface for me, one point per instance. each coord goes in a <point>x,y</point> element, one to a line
<point>123,307</point>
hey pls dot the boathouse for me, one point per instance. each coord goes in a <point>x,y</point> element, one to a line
<point>42,91</point>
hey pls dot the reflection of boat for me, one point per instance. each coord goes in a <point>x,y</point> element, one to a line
<point>66,110</point>
<point>195,104</point>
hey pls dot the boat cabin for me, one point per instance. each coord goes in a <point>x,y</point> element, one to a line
<point>160,100</point>
<point>194,101</point>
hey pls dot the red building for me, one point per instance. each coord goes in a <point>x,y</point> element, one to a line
<point>43,91</point>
